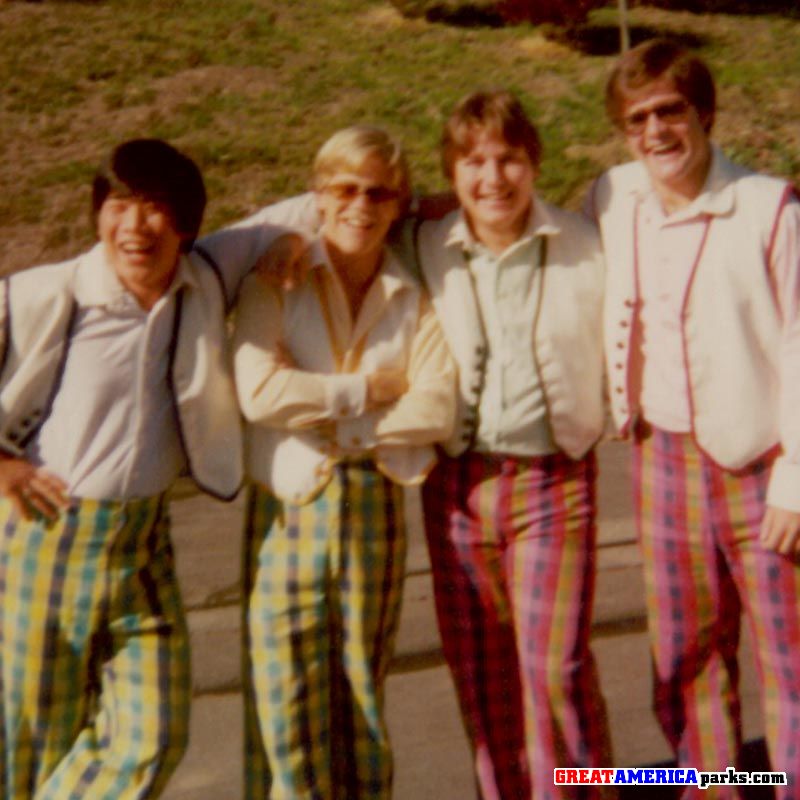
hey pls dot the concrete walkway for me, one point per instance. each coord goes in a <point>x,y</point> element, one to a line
<point>432,756</point>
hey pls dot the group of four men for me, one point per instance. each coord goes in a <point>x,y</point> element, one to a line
<point>115,378</point>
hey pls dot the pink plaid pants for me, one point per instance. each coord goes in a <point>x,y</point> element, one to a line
<point>512,549</point>
<point>699,527</point>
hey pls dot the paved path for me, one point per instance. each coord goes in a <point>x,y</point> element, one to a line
<point>432,757</point>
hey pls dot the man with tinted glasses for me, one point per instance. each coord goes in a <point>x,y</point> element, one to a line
<point>703,353</point>
<point>516,285</point>
<point>346,383</point>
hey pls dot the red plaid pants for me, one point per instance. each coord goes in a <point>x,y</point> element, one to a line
<point>512,545</point>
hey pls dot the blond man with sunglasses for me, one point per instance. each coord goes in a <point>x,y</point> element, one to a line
<point>703,352</point>
<point>346,383</point>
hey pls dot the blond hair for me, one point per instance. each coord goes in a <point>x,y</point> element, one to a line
<point>349,149</point>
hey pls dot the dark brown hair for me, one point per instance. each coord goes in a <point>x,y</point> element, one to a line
<point>497,111</point>
<point>656,59</point>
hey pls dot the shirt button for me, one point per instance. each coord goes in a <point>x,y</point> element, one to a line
<point>356,441</point>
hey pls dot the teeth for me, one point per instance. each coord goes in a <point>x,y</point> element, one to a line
<point>660,150</point>
<point>135,248</point>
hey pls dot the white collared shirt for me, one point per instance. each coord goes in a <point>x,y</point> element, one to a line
<point>310,411</point>
<point>668,248</point>
<point>512,414</point>
<point>111,432</point>
<point>741,322</point>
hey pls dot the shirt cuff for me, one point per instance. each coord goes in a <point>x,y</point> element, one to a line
<point>356,435</point>
<point>784,485</point>
<point>346,395</point>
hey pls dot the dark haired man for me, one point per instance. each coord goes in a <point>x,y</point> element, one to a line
<point>114,379</point>
<point>510,508</point>
<point>703,354</point>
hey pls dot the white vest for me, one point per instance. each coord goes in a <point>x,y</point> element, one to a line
<point>566,332</point>
<point>37,308</point>
<point>731,325</point>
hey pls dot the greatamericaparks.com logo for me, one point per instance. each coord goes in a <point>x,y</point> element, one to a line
<point>654,776</point>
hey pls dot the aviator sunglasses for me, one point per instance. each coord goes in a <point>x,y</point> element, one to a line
<point>666,112</point>
<point>347,192</point>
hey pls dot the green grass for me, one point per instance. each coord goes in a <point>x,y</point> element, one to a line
<point>251,88</point>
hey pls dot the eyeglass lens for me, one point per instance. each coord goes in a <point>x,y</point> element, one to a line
<point>668,112</point>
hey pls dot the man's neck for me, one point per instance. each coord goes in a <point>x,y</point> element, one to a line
<point>498,239</point>
<point>356,274</point>
<point>679,195</point>
<point>147,294</point>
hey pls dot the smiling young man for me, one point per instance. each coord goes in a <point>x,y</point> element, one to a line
<point>509,509</point>
<point>114,379</point>
<point>516,285</point>
<point>703,353</point>
<point>346,383</point>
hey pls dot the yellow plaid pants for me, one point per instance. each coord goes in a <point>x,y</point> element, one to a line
<point>94,666</point>
<point>322,585</point>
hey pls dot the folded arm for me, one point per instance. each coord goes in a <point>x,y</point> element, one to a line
<point>272,391</point>
<point>426,412</point>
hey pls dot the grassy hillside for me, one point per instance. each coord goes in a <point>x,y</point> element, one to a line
<point>251,88</point>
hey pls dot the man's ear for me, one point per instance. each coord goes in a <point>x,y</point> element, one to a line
<point>187,240</point>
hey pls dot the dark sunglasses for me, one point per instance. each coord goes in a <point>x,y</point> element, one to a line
<point>667,112</point>
<point>347,192</point>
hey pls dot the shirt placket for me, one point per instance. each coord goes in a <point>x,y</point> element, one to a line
<point>150,385</point>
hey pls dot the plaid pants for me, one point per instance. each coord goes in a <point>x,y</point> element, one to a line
<point>699,527</point>
<point>512,549</point>
<point>94,680</point>
<point>323,585</point>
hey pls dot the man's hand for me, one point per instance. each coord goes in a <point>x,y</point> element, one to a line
<point>384,386</point>
<point>780,531</point>
<point>283,357</point>
<point>285,263</point>
<point>34,492</point>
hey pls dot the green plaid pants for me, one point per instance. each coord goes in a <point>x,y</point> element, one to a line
<point>323,585</point>
<point>94,663</point>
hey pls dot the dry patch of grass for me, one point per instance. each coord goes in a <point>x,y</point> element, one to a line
<point>386,16</point>
<point>540,48</point>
